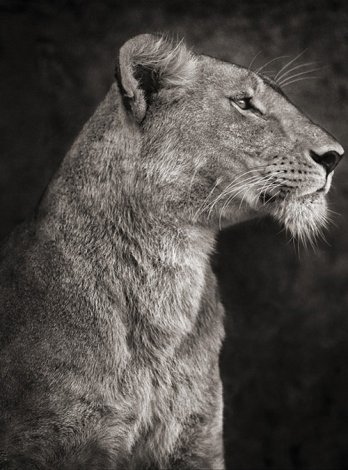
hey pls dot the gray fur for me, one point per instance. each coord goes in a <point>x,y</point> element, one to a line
<point>111,324</point>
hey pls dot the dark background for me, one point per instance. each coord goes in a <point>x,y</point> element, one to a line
<point>284,362</point>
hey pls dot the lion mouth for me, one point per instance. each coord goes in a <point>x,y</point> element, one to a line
<point>268,198</point>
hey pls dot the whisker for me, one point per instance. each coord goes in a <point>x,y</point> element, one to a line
<point>244,187</point>
<point>297,75</point>
<point>233,195</point>
<point>202,206</point>
<point>269,183</point>
<point>232,190</point>
<point>253,60</point>
<point>334,212</point>
<point>191,182</point>
<point>287,72</point>
<point>288,64</point>
<point>225,191</point>
<point>256,197</point>
<point>248,182</point>
<point>299,80</point>
<point>238,188</point>
<point>268,72</point>
<point>271,62</point>
<point>269,187</point>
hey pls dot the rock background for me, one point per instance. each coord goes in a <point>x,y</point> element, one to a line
<point>284,363</point>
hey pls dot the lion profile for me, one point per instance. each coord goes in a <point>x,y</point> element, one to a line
<point>110,324</point>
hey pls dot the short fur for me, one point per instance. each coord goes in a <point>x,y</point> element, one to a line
<point>111,324</point>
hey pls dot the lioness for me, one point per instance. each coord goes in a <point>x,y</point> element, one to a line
<point>111,325</point>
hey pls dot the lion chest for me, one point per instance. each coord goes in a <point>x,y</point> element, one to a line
<point>167,399</point>
<point>164,391</point>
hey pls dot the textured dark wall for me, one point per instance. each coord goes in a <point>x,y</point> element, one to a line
<point>285,359</point>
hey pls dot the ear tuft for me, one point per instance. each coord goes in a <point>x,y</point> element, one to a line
<point>148,63</point>
<point>174,63</point>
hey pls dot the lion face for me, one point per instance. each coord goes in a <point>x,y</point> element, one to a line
<point>267,155</point>
<point>233,146</point>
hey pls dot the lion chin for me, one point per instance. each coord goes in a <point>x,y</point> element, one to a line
<point>303,216</point>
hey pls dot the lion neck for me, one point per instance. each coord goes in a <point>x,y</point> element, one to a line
<point>104,222</point>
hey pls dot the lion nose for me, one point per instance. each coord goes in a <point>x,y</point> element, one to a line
<point>329,160</point>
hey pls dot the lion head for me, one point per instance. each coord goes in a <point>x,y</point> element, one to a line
<point>221,143</point>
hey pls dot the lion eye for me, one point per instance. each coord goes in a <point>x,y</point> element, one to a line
<point>244,103</point>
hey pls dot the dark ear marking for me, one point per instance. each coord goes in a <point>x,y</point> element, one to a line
<point>148,80</point>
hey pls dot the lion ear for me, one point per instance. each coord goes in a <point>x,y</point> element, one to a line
<point>148,63</point>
